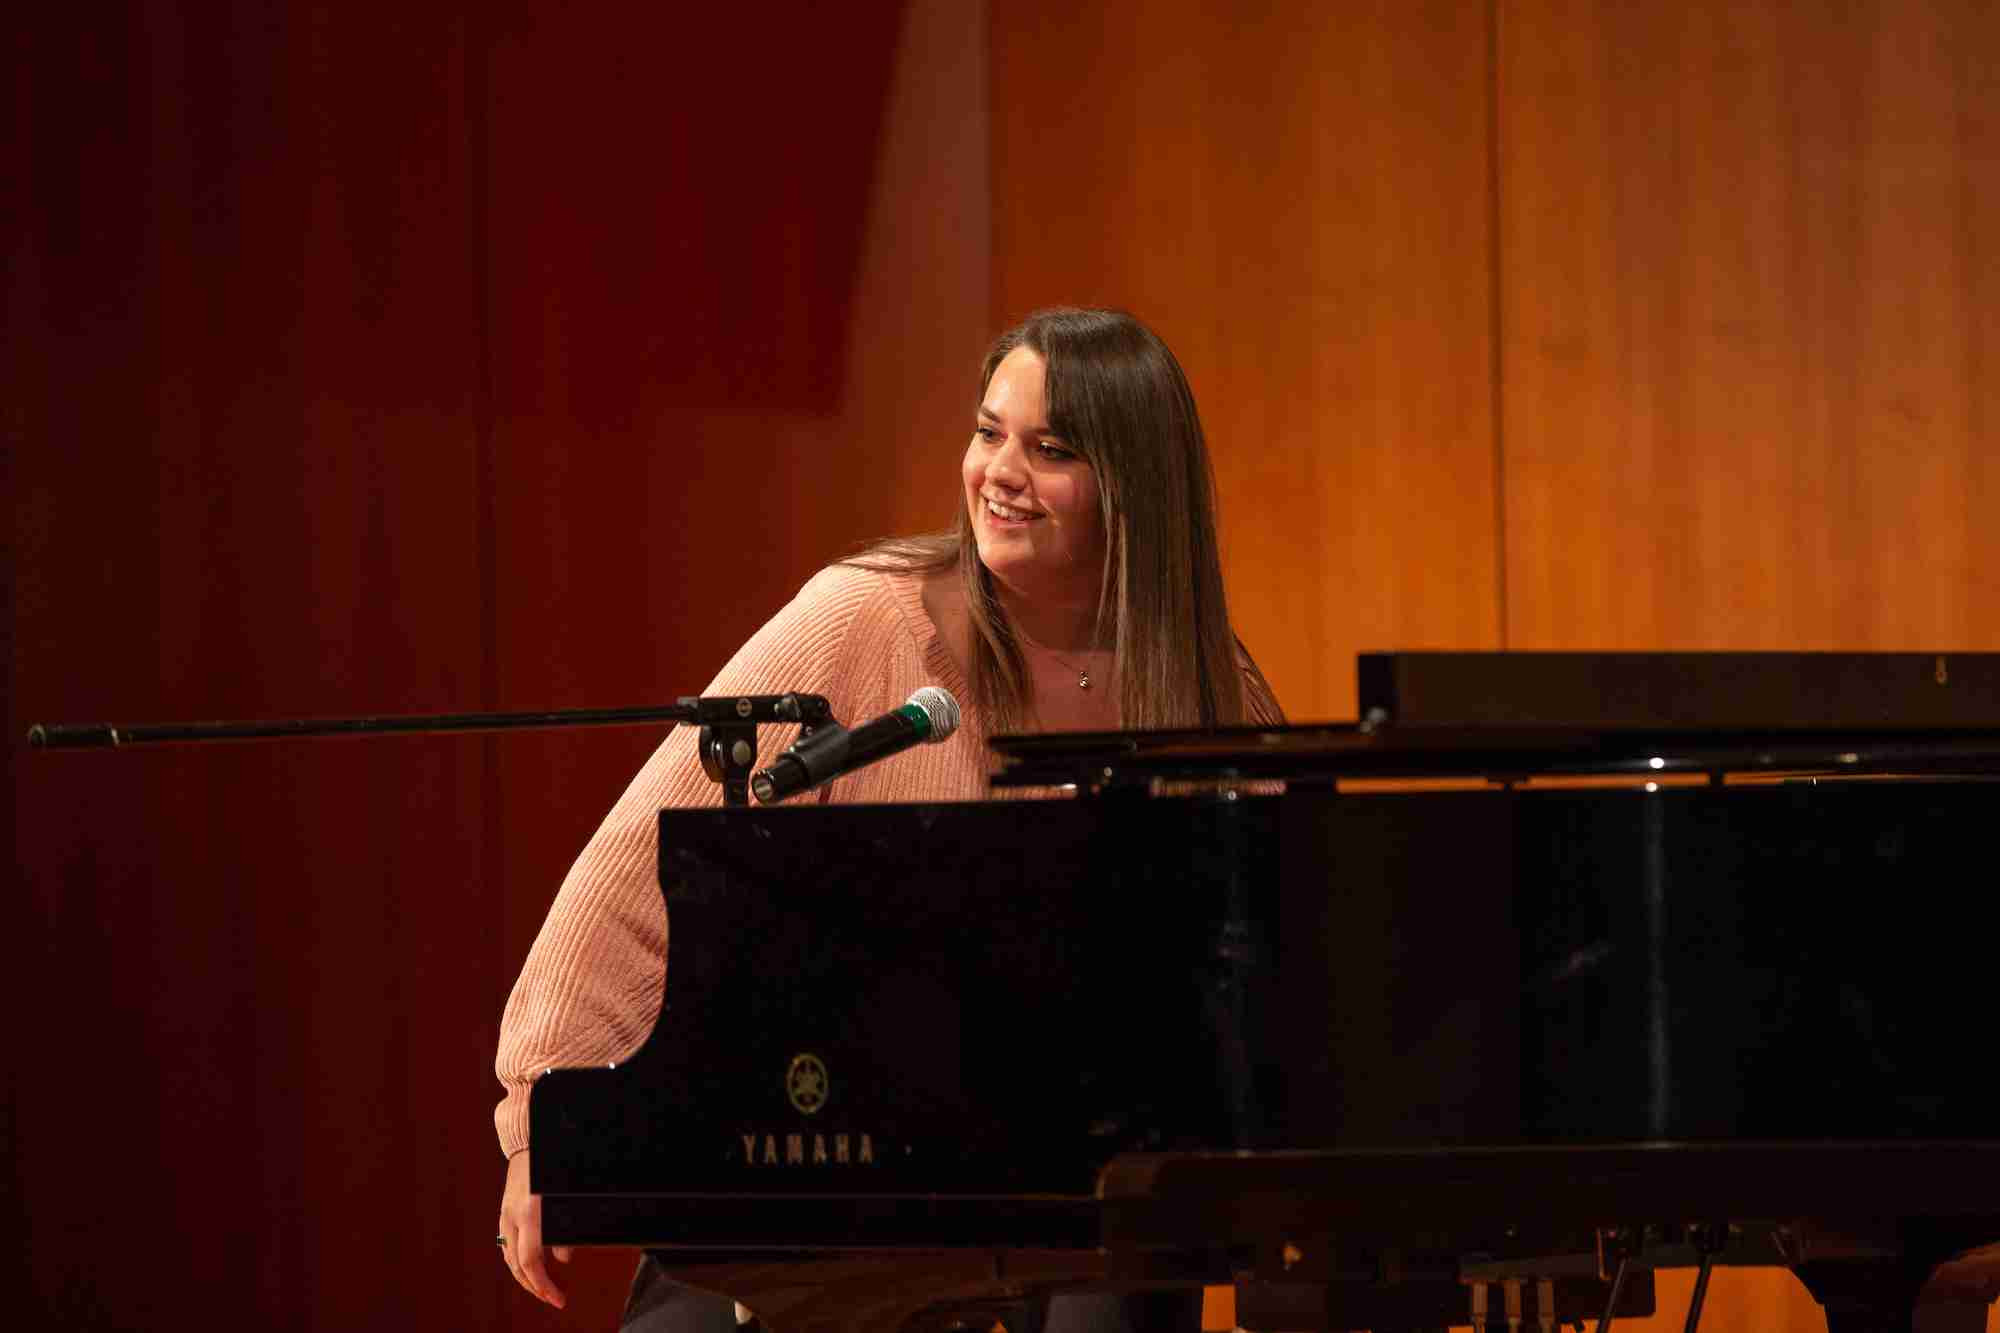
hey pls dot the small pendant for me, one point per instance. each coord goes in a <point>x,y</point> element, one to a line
<point>1083,680</point>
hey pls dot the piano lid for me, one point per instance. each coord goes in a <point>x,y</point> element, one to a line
<point>1508,716</point>
<point>1683,691</point>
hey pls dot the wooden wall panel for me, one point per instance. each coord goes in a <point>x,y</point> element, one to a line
<point>1747,317</point>
<point>1740,343</point>
<point>1296,198</point>
<point>1747,325</point>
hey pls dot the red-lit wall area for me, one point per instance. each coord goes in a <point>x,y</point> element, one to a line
<point>371,359</point>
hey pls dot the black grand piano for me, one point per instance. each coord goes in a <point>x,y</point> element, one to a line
<point>1554,970</point>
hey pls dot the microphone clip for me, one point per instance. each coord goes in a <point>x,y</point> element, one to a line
<point>728,741</point>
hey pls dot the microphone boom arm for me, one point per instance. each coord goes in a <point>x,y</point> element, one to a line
<point>708,710</point>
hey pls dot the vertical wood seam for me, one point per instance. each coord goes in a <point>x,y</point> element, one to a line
<point>1496,354</point>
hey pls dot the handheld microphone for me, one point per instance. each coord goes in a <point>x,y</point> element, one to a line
<point>930,715</point>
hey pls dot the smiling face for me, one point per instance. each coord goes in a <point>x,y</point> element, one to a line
<point>1031,498</point>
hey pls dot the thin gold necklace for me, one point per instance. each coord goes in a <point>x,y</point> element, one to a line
<point>1082,672</point>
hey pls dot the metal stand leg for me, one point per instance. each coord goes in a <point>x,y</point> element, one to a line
<point>1708,1242</point>
<point>1611,1302</point>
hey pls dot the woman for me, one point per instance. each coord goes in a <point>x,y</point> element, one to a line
<point>1079,589</point>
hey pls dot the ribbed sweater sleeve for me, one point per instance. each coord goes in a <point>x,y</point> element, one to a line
<point>590,990</point>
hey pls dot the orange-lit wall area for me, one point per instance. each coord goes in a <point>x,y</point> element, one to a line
<point>1546,325</point>
<point>369,360</point>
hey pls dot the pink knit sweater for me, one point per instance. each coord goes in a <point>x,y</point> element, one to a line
<point>591,988</point>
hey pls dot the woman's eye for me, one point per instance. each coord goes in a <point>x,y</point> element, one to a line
<point>986,433</point>
<point>1055,452</point>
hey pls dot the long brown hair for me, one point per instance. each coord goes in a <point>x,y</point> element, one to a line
<point>1118,397</point>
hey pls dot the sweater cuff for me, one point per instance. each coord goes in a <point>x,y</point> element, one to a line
<point>510,1118</point>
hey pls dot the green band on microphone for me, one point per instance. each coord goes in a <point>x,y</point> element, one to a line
<point>918,718</point>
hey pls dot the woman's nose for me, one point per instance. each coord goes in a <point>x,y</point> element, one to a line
<point>1008,465</point>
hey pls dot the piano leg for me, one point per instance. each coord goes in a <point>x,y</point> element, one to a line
<point>1884,1296</point>
<point>1174,1310</point>
<point>658,1304</point>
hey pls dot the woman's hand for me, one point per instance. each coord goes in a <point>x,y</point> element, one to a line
<point>521,1235</point>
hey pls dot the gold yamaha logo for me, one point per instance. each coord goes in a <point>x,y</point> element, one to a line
<point>794,1149</point>
<point>806,1083</point>
<point>808,1086</point>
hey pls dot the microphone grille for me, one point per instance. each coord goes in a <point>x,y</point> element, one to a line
<point>940,708</point>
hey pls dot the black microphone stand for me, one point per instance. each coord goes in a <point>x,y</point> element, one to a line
<point>727,744</point>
